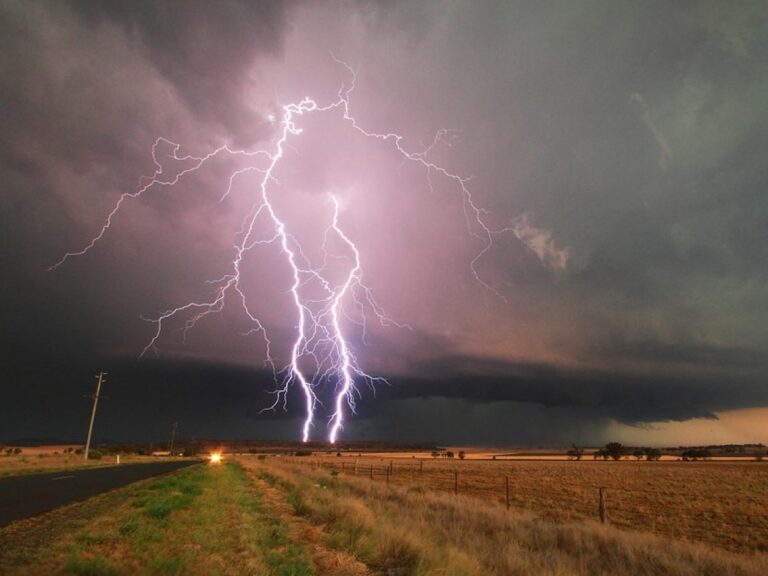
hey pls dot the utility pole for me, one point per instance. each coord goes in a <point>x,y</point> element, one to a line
<point>173,437</point>
<point>93,412</point>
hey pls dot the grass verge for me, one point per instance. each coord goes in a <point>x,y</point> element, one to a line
<point>201,520</point>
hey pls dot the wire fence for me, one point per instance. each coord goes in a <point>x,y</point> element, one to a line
<point>730,510</point>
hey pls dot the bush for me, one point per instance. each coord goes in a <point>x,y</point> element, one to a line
<point>652,454</point>
<point>614,450</point>
<point>575,452</point>
<point>696,453</point>
<point>95,455</point>
<point>601,453</point>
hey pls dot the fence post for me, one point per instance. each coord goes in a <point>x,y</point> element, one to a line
<point>455,482</point>
<point>388,474</point>
<point>506,486</point>
<point>390,467</point>
<point>355,467</point>
<point>371,471</point>
<point>602,509</point>
<point>421,465</point>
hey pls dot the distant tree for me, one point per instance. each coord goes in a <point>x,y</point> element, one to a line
<point>435,453</point>
<point>575,452</point>
<point>652,454</point>
<point>638,453</point>
<point>614,450</point>
<point>462,454</point>
<point>303,453</point>
<point>600,453</point>
<point>17,450</point>
<point>695,454</point>
<point>449,454</point>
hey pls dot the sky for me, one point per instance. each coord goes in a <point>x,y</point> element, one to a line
<point>614,149</point>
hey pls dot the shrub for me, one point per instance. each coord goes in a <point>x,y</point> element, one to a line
<point>601,453</point>
<point>696,453</point>
<point>652,454</point>
<point>614,450</point>
<point>575,452</point>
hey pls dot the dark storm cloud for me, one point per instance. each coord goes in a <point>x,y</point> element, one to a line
<point>519,404</point>
<point>622,142</point>
<point>626,398</point>
<point>205,49</point>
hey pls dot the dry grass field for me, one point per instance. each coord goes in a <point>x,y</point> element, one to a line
<point>33,461</point>
<point>409,529</point>
<point>719,503</point>
<point>267,516</point>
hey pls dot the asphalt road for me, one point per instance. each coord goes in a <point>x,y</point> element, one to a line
<point>24,496</point>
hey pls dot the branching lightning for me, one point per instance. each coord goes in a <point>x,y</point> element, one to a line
<point>320,341</point>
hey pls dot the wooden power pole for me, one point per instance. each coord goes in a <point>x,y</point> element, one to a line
<point>93,412</point>
<point>173,437</point>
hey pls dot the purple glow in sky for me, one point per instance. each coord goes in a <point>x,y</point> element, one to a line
<point>322,306</point>
<point>564,202</point>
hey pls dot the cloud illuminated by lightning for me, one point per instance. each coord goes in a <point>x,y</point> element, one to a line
<point>319,341</point>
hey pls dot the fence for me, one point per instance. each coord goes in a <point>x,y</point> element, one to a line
<point>412,474</point>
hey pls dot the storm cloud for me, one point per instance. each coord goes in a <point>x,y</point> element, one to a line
<point>620,145</point>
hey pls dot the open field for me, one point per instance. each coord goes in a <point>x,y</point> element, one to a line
<point>33,461</point>
<point>266,516</point>
<point>719,503</point>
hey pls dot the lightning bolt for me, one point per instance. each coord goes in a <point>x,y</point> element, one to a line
<point>320,339</point>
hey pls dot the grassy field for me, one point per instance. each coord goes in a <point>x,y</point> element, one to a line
<point>414,530</point>
<point>39,462</point>
<point>201,520</point>
<point>272,518</point>
<point>720,503</point>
